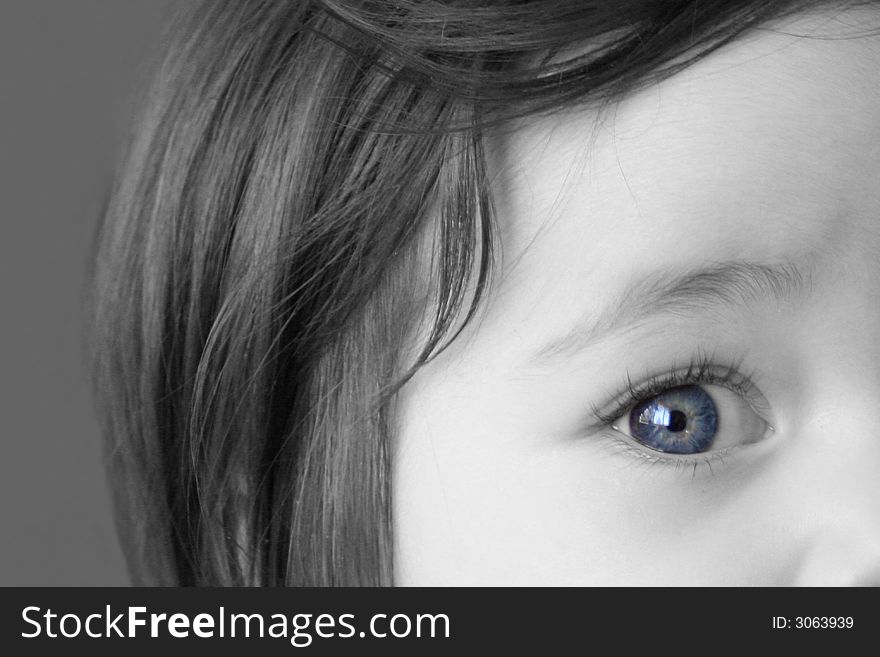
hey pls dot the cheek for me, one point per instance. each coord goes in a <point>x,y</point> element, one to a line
<point>482,496</point>
<point>473,505</point>
<point>471,493</point>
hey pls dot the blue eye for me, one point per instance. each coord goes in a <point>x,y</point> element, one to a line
<point>681,420</point>
<point>703,409</point>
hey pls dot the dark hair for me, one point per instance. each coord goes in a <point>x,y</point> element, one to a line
<point>305,195</point>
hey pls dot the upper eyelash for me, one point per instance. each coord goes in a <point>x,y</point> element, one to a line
<point>702,369</point>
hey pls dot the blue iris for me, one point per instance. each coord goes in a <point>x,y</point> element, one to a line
<point>682,420</point>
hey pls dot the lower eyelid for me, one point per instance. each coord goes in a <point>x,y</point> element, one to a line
<point>621,444</point>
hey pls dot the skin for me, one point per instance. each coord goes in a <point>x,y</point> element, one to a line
<point>767,152</point>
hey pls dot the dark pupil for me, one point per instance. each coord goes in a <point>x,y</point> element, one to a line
<point>677,421</point>
<point>681,420</point>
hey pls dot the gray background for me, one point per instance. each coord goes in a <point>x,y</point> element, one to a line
<point>68,70</point>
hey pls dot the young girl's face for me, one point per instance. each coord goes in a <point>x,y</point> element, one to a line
<point>676,378</point>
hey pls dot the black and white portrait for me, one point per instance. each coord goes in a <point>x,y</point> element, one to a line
<point>461,292</point>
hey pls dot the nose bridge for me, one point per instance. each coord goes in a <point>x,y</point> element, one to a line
<point>834,484</point>
<point>840,340</point>
<point>836,433</point>
<point>838,461</point>
<point>824,478</point>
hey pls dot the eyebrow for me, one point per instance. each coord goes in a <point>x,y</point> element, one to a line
<point>692,293</point>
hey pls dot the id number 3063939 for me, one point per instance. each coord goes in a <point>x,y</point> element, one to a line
<point>813,622</point>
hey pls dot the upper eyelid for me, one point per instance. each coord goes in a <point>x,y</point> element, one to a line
<point>700,370</point>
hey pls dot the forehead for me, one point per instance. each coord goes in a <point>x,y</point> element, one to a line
<point>767,150</point>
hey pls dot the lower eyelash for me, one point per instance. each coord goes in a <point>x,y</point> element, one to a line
<point>680,462</point>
